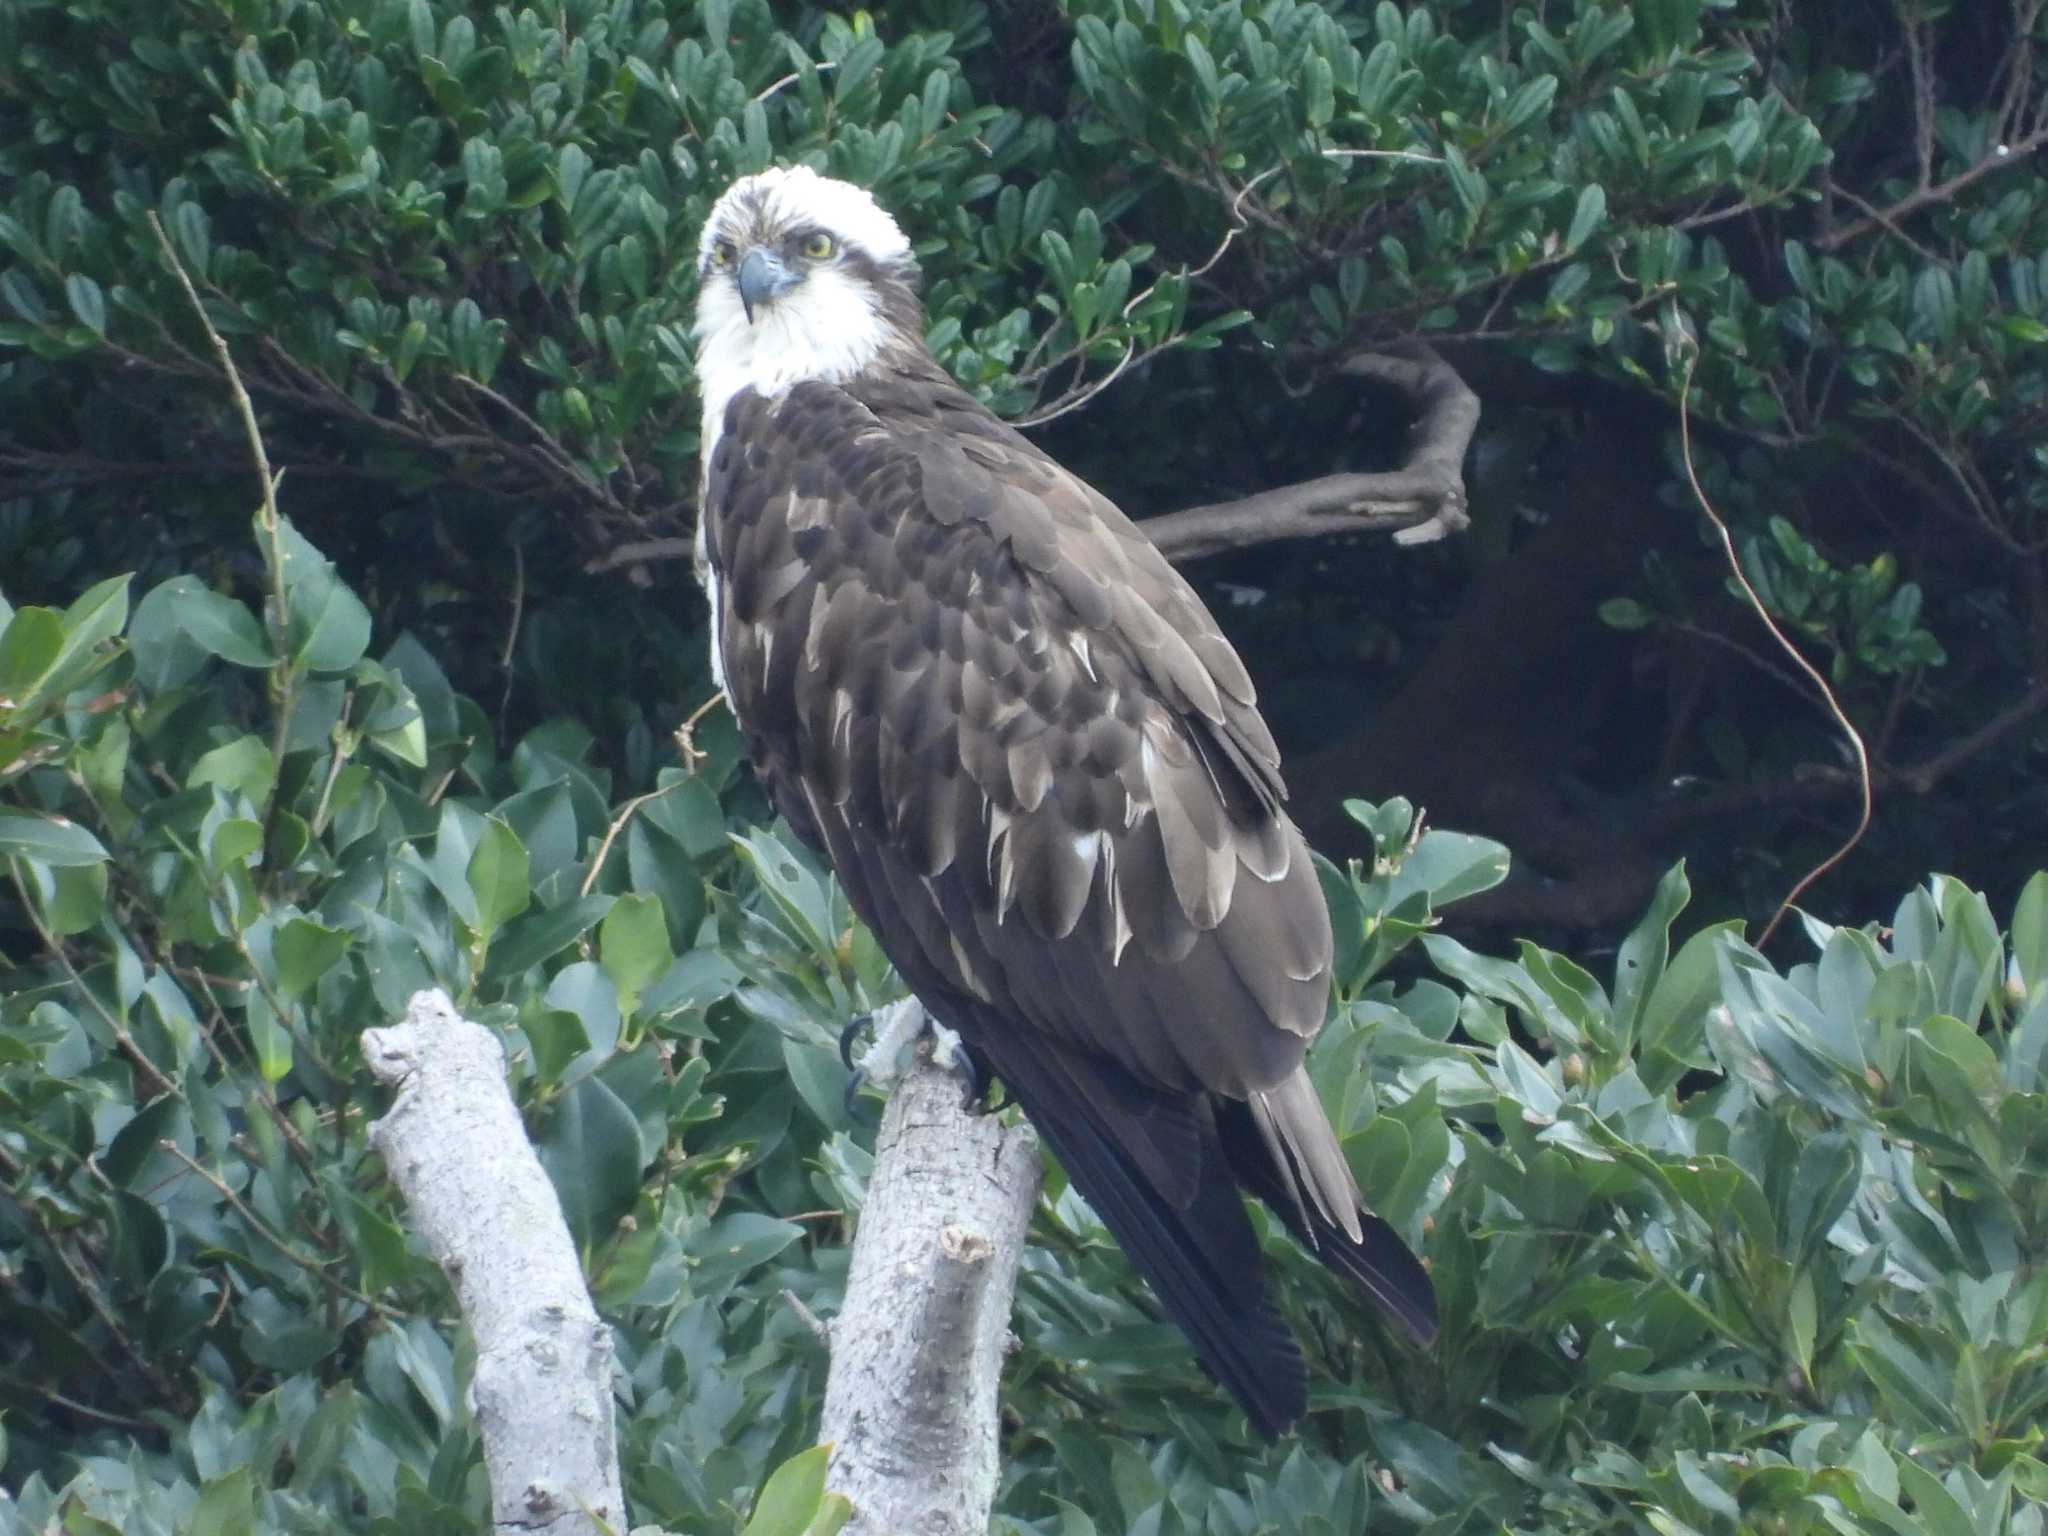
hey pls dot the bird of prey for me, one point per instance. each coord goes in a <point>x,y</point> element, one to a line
<point>1035,764</point>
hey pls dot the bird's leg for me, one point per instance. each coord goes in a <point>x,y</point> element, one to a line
<point>897,1027</point>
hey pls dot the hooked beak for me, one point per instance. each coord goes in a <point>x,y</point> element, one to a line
<point>762,277</point>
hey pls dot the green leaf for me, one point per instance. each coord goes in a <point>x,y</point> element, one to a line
<point>28,650</point>
<point>76,898</point>
<point>592,1150</point>
<point>1639,963</point>
<point>541,935</point>
<point>585,990</point>
<point>52,839</point>
<point>735,1245</point>
<point>1936,1511</point>
<point>379,1245</point>
<point>633,946</point>
<point>327,628</point>
<point>97,615</point>
<point>794,1502</point>
<point>180,622</point>
<point>243,765</point>
<point>789,883</point>
<point>1671,1025</point>
<point>558,1040</point>
<point>497,876</point>
<point>87,302</point>
<point>1319,94</point>
<point>1449,866</point>
<point>2030,933</point>
<point>1666,25</point>
<point>1626,613</point>
<point>1587,216</point>
<point>226,1507</point>
<point>267,1033</point>
<point>304,950</point>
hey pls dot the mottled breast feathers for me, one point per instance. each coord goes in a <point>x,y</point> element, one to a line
<point>968,675</point>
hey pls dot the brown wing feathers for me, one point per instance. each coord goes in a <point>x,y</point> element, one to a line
<point>1039,771</point>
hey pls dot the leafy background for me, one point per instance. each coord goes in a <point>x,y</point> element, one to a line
<point>1725,1239</point>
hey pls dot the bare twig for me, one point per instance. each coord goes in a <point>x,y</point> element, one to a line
<point>618,825</point>
<point>155,1079</point>
<point>1239,222</point>
<point>686,733</point>
<point>320,1269</point>
<point>1834,704</point>
<point>512,628</point>
<point>2001,158</point>
<point>639,552</point>
<point>284,675</point>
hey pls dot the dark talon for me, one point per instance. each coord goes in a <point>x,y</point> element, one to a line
<point>846,1038</point>
<point>856,1080</point>
<point>979,1083</point>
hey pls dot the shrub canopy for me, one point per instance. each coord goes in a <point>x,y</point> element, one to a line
<point>1725,1240</point>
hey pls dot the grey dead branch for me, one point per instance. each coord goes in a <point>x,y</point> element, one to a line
<point>542,1395</point>
<point>916,1350</point>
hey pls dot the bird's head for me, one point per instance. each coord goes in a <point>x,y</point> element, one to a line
<point>801,276</point>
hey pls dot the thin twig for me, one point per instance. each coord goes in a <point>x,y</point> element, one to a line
<point>793,76</point>
<point>87,1411</point>
<point>512,629</point>
<point>619,824</point>
<point>321,1269</point>
<point>686,733</point>
<point>1238,224</point>
<point>2002,157</point>
<point>160,1082</point>
<point>144,1361</point>
<point>1834,704</point>
<point>243,405</point>
<point>283,674</point>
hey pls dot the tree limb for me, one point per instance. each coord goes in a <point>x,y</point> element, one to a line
<point>543,1389</point>
<point>1422,501</point>
<point>2001,157</point>
<point>1822,784</point>
<point>917,1348</point>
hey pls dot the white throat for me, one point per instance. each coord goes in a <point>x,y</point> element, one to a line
<point>827,327</point>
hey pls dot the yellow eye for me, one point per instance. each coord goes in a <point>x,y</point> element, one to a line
<point>721,254</point>
<point>818,246</point>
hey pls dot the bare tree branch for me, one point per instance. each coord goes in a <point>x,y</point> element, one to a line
<point>1818,784</point>
<point>1422,500</point>
<point>454,1144</point>
<point>2000,158</point>
<point>917,1348</point>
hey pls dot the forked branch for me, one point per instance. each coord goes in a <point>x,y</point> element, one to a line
<point>1421,501</point>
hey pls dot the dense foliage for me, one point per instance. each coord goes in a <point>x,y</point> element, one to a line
<point>453,250</point>
<point>1715,1244</point>
<point>1725,1240</point>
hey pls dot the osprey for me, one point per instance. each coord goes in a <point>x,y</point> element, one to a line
<point>1036,765</point>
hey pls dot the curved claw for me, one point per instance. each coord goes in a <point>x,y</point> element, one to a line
<point>979,1083</point>
<point>856,1081</point>
<point>846,1038</point>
